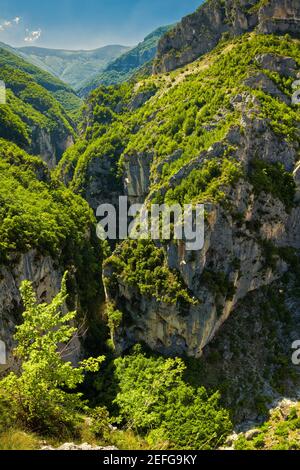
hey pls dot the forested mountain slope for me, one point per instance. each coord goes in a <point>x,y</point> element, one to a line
<point>222,131</point>
<point>45,228</point>
<point>36,116</point>
<point>60,90</point>
<point>73,67</point>
<point>129,63</point>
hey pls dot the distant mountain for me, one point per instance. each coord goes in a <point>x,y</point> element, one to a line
<point>124,67</point>
<point>63,93</point>
<point>73,67</point>
<point>36,116</point>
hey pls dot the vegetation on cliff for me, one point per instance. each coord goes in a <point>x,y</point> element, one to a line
<point>127,65</point>
<point>58,89</point>
<point>190,127</point>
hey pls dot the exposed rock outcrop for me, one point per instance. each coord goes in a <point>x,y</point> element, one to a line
<point>84,447</point>
<point>137,173</point>
<point>50,146</point>
<point>201,31</point>
<point>238,237</point>
<point>46,277</point>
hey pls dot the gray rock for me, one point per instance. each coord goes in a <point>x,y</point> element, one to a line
<point>252,433</point>
<point>70,446</point>
<point>46,279</point>
<point>285,66</point>
<point>265,84</point>
<point>201,31</point>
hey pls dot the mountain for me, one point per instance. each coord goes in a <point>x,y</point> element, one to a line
<point>72,67</point>
<point>36,114</point>
<point>45,228</point>
<point>223,131</point>
<point>199,342</point>
<point>201,31</point>
<point>124,67</point>
<point>64,94</point>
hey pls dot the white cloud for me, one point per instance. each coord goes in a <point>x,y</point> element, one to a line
<point>32,36</point>
<point>9,23</point>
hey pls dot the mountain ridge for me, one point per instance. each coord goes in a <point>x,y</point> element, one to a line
<point>200,32</point>
<point>128,64</point>
<point>73,67</point>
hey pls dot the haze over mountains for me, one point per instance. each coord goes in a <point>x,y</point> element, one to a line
<point>73,67</point>
<point>125,66</point>
<point>85,70</point>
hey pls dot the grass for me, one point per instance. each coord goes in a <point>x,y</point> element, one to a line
<point>14,439</point>
<point>281,432</point>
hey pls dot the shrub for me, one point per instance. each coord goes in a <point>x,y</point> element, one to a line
<point>100,422</point>
<point>42,393</point>
<point>155,401</point>
<point>272,178</point>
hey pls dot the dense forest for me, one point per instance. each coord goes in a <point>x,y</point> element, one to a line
<point>142,344</point>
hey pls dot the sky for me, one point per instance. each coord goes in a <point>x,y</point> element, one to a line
<point>74,24</point>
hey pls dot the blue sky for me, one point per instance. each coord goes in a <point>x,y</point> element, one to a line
<point>74,24</point>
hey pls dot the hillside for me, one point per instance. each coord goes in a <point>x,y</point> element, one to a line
<point>60,91</point>
<point>221,131</point>
<point>199,343</point>
<point>123,68</point>
<point>201,31</point>
<point>45,228</point>
<point>73,67</point>
<point>33,118</point>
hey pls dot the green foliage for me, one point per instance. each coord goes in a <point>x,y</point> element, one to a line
<point>142,265</point>
<point>100,422</point>
<point>191,111</point>
<point>14,439</point>
<point>38,212</point>
<point>129,63</point>
<point>62,92</point>
<point>280,432</point>
<point>155,401</point>
<point>7,418</point>
<point>218,283</point>
<point>273,179</point>
<point>114,319</point>
<point>42,393</point>
<point>208,183</point>
<point>31,103</point>
<point>12,127</point>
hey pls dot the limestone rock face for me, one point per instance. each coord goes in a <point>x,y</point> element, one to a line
<point>236,240</point>
<point>102,185</point>
<point>137,173</point>
<point>201,31</point>
<point>50,147</point>
<point>46,278</point>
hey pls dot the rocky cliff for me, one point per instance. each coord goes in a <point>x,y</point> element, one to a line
<point>44,231</point>
<point>222,131</point>
<point>200,32</point>
<point>250,240</point>
<point>46,278</point>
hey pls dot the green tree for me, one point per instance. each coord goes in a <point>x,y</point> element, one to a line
<point>155,401</point>
<point>42,394</point>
